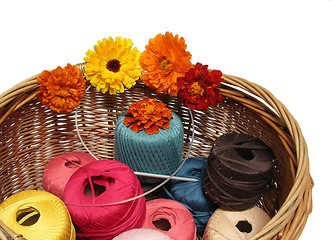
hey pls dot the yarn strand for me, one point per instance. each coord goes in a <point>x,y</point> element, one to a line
<point>79,135</point>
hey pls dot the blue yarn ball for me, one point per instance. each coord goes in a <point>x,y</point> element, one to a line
<point>191,194</point>
<point>159,153</point>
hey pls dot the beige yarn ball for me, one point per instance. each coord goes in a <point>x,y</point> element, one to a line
<point>232,225</point>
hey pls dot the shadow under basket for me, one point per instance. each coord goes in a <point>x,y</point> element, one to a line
<point>31,135</point>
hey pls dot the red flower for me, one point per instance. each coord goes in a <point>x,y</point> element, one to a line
<point>148,115</point>
<point>198,89</point>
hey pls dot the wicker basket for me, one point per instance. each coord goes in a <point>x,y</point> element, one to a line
<point>31,135</point>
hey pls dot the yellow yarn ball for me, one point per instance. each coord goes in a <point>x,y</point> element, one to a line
<point>37,214</point>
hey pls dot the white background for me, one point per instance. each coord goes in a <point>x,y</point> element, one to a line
<point>284,46</point>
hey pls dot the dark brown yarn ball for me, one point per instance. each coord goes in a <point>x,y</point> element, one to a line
<point>238,171</point>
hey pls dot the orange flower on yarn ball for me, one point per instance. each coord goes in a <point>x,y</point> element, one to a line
<point>62,88</point>
<point>164,60</point>
<point>198,89</point>
<point>148,115</point>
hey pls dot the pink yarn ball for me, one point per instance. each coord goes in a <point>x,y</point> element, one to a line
<point>143,233</point>
<point>170,217</point>
<point>58,171</point>
<point>106,183</point>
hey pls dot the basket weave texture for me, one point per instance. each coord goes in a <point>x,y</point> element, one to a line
<point>31,135</point>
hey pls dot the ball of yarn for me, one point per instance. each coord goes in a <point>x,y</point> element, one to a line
<point>191,194</point>
<point>159,153</point>
<point>143,233</point>
<point>170,217</point>
<point>37,214</point>
<point>92,196</point>
<point>238,170</point>
<point>58,171</point>
<point>232,225</point>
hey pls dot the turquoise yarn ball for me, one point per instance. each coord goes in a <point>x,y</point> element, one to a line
<point>159,153</point>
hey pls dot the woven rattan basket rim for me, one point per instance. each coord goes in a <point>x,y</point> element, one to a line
<point>289,221</point>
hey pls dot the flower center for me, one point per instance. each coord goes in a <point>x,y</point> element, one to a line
<point>64,92</point>
<point>196,89</point>
<point>149,109</point>
<point>113,65</point>
<point>164,65</point>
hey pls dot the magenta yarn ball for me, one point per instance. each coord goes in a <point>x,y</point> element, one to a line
<point>92,196</point>
<point>58,171</point>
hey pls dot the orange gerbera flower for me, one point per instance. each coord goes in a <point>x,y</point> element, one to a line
<point>148,115</point>
<point>164,60</point>
<point>62,88</point>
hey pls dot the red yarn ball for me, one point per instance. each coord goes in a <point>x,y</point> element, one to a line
<point>170,217</point>
<point>58,171</point>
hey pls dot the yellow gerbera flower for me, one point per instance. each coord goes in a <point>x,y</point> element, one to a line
<point>113,65</point>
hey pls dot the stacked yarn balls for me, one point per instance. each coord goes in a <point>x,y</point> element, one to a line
<point>92,193</point>
<point>103,198</point>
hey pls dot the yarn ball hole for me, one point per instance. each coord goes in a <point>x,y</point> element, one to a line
<point>244,226</point>
<point>96,189</point>
<point>162,224</point>
<point>73,164</point>
<point>27,216</point>
<point>245,154</point>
